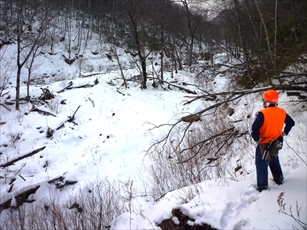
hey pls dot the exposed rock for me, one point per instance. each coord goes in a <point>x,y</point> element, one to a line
<point>231,111</point>
<point>191,118</point>
<point>185,223</point>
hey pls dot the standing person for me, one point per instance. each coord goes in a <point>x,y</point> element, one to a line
<point>268,125</point>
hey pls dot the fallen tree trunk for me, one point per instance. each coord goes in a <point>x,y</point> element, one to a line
<point>70,119</point>
<point>50,132</point>
<point>22,157</point>
<point>60,182</point>
<point>22,195</point>
<point>176,86</point>
<point>20,199</point>
<point>69,86</point>
<point>35,109</point>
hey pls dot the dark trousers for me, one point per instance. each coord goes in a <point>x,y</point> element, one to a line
<point>262,170</point>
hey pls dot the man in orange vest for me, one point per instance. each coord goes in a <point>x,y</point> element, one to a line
<point>267,128</point>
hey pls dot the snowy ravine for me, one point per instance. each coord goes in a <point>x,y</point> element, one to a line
<point>109,138</point>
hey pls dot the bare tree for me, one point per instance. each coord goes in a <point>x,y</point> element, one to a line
<point>29,66</point>
<point>114,52</point>
<point>193,21</point>
<point>162,16</point>
<point>267,37</point>
<point>137,28</point>
<point>69,26</point>
<point>28,38</point>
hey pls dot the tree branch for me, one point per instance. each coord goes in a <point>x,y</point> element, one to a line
<point>229,132</point>
<point>11,162</point>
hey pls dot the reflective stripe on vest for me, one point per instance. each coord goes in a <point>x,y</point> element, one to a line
<point>274,120</point>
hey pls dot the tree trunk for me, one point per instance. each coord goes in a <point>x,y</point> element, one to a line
<point>242,41</point>
<point>139,49</point>
<point>192,29</point>
<point>18,87</point>
<point>275,36</point>
<point>162,38</point>
<point>266,32</point>
<point>143,64</point>
<point>24,51</point>
<point>30,67</point>
<point>256,35</point>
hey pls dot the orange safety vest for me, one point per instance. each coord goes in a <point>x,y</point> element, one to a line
<point>274,120</point>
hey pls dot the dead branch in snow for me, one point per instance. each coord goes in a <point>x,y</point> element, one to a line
<point>60,182</point>
<point>225,136</point>
<point>5,106</point>
<point>5,103</point>
<point>120,92</point>
<point>241,93</point>
<point>3,94</point>
<point>20,198</point>
<point>175,86</point>
<point>71,118</point>
<point>50,131</point>
<point>66,87</point>
<point>41,111</point>
<point>69,86</point>
<point>11,162</point>
<point>90,75</point>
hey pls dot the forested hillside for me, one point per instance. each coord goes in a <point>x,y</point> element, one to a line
<point>264,37</point>
<point>117,114</point>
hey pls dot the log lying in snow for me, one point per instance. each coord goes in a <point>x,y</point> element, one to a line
<point>44,112</point>
<point>60,182</point>
<point>50,132</point>
<point>176,86</point>
<point>22,195</point>
<point>70,119</point>
<point>20,199</point>
<point>11,162</point>
<point>69,86</point>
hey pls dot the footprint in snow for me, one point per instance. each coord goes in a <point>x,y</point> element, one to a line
<point>235,208</point>
<point>240,225</point>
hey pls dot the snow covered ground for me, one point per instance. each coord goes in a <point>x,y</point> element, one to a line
<point>109,138</point>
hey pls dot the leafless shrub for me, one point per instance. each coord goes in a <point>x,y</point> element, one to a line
<point>55,105</point>
<point>6,70</point>
<point>19,117</point>
<point>296,216</point>
<point>206,152</point>
<point>94,207</point>
<point>165,174</point>
<point>298,147</point>
<point>128,196</point>
<point>101,202</point>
